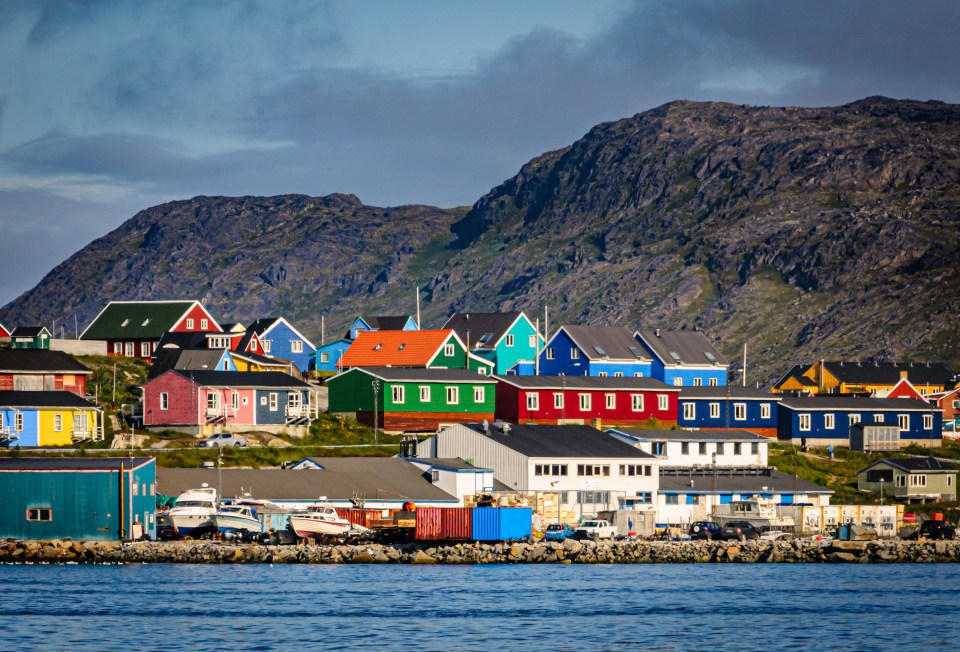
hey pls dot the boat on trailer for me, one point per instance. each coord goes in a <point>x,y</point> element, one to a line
<point>320,520</point>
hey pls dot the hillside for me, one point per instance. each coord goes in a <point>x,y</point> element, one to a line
<point>805,233</point>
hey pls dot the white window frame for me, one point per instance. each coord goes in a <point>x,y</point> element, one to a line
<point>698,382</point>
<point>689,410</point>
<point>398,394</point>
<point>804,421</point>
<point>190,324</point>
<point>714,410</point>
<point>574,353</point>
<point>853,419</point>
<point>928,422</point>
<point>296,346</point>
<point>903,420</point>
<point>266,345</point>
<point>663,401</point>
<point>129,350</point>
<point>829,421</point>
<point>479,393</point>
<point>558,401</point>
<point>324,357</point>
<point>449,350</point>
<point>509,340</point>
<point>764,410</point>
<point>739,411</point>
<point>453,395</point>
<point>533,401</point>
<point>273,401</point>
<point>636,402</point>
<point>532,341</point>
<point>57,422</point>
<point>611,401</point>
<point>235,399</point>
<point>164,401</point>
<point>18,422</point>
<point>550,353</point>
<point>678,382</point>
<point>424,393</point>
<point>144,349</point>
<point>586,402</point>
<point>204,324</point>
<point>713,382</point>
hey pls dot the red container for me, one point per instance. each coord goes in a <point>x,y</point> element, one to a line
<point>444,524</point>
<point>358,516</point>
<point>909,518</point>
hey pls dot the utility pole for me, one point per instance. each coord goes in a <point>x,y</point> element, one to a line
<point>376,393</point>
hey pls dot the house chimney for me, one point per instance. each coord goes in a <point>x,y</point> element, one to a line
<point>657,332</point>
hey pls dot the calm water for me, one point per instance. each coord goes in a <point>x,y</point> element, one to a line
<point>709,607</point>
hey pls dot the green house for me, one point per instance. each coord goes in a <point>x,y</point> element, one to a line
<point>30,337</point>
<point>412,400</point>
<point>503,338</point>
<point>432,349</point>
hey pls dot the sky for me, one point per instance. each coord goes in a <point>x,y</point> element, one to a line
<point>108,107</point>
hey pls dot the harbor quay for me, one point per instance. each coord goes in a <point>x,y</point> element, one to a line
<point>65,551</point>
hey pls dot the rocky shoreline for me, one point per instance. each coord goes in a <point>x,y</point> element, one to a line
<point>569,552</point>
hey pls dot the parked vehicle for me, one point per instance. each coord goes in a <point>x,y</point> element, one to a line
<point>933,529</point>
<point>558,532</point>
<point>739,530</point>
<point>598,529</point>
<point>222,440</point>
<point>704,530</point>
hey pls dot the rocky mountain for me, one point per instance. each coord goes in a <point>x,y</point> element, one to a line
<point>801,232</point>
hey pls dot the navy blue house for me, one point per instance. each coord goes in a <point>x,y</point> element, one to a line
<point>594,351</point>
<point>826,420</point>
<point>729,408</point>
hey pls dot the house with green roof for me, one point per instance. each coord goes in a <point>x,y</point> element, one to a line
<point>133,328</point>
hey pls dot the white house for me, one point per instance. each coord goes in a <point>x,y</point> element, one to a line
<point>588,470</point>
<point>691,448</point>
<point>456,477</point>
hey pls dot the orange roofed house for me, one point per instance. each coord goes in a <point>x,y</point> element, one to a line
<point>429,349</point>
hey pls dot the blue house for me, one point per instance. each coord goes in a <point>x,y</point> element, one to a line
<point>594,351</point>
<point>729,408</point>
<point>684,358</point>
<point>504,338</point>
<point>329,354</point>
<point>381,323</point>
<point>826,420</point>
<point>279,339</point>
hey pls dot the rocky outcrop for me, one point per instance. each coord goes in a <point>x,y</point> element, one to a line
<point>567,552</point>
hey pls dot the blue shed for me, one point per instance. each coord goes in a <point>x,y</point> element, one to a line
<point>826,420</point>
<point>77,498</point>
<point>329,354</point>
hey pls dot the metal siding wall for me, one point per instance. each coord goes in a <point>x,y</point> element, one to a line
<point>263,413</point>
<point>460,441</point>
<point>85,505</point>
<point>352,392</point>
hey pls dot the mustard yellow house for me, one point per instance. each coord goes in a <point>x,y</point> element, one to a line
<point>54,418</point>
<point>873,377</point>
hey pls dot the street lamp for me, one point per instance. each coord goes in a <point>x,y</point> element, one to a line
<point>881,491</point>
<point>376,393</point>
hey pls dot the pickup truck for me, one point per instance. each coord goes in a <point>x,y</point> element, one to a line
<point>598,529</point>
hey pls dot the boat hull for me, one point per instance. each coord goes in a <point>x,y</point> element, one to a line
<point>309,527</point>
<point>186,524</point>
<point>234,523</point>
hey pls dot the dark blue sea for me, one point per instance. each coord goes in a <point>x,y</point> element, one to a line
<point>659,607</point>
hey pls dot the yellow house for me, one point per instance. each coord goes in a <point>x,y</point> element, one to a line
<point>794,381</point>
<point>872,377</point>
<point>253,362</point>
<point>54,418</point>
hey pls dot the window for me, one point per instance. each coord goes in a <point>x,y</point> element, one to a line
<point>720,448</point>
<point>643,497</point>
<point>164,401</point>
<point>324,357</point>
<point>235,399</point>
<point>755,448</point>
<point>685,448</point>
<point>638,374</point>
<point>737,448</point>
<point>118,348</point>
<point>509,341</point>
<point>702,448</point>
<point>918,480</point>
<point>574,354</point>
<point>449,350</point>
<point>671,499</point>
<point>901,480</point>
<point>739,411</point>
<point>714,410</point>
<point>58,423</point>
<point>128,349</point>
<point>693,499</point>
<point>713,382</point>
<point>273,401</point>
<point>482,371</point>
<point>678,382</point>
<point>636,402</point>
<point>296,346</point>
<point>878,418</point>
<point>213,400</point>
<point>828,421</point>
<point>558,401</point>
<point>618,374</point>
<point>689,410</point>
<point>804,422</point>
<point>18,421</point>
<point>584,402</point>
<point>243,400</point>
<point>204,324</point>
<point>532,341</point>
<point>266,345</point>
<point>659,448</point>
<point>764,410</point>
<point>550,353</point>
<point>263,400</point>
<point>424,393</point>
<point>636,470</point>
<point>478,394</point>
<point>190,324</point>
<point>928,422</point>
<point>550,469</point>
<point>593,470</point>
<point>533,402</point>
<point>453,395</point>
<point>253,345</point>
<point>144,349</point>
<point>853,419</point>
<point>663,401</point>
<point>601,374</point>
<point>904,420</point>
<point>398,393</point>
<point>698,382</point>
<point>611,401</point>
<point>44,514</point>
<point>135,489</point>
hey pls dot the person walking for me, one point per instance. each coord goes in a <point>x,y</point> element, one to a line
<point>830,451</point>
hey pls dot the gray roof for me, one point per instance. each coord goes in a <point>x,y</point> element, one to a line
<point>375,478</point>
<point>487,326</point>
<point>197,359</point>
<point>888,373</point>
<point>415,375</point>
<point>28,331</point>
<point>562,441</point>
<point>862,403</point>
<point>71,463</point>
<point>387,322</point>
<point>587,382</point>
<point>728,391</point>
<point>40,360</point>
<point>450,464</point>
<point>915,465</point>
<point>616,342</point>
<point>692,435</point>
<point>729,481</point>
<point>266,379</point>
<point>53,398</point>
<point>690,347</point>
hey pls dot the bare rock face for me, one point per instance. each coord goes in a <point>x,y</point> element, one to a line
<point>801,232</point>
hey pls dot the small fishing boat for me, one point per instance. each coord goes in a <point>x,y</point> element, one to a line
<point>193,511</point>
<point>236,518</point>
<point>320,520</point>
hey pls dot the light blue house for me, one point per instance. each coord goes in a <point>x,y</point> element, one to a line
<point>684,358</point>
<point>504,338</point>
<point>729,407</point>
<point>329,354</point>
<point>381,323</point>
<point>594,351</point>
<point>279,339</point>
<point>826,420</point>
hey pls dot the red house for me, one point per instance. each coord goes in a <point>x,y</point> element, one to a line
<point>41,370</point>
<point>605,401</point>
<point>133,328</point>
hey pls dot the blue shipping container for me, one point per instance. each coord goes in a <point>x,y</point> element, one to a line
<point>502,523</point>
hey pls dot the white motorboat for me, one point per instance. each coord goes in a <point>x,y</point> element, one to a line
<point>759,511</point>
<point>320,520</point>
<point>236,518</point>
<point>193,510</point>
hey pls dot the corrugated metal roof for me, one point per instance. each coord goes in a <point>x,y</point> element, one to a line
<point>199,359</point>
<point>724,392</point>
<point>915,465</point>
<point>730,482</point>
<point>40,360</point>
<point>690,347</point>
<point>394,348</point>
<point>561,441</point>
<point>887,373</point>
<point>57,398</point>
<point>341,478</point>
<point>71,463</point>
<point>597,383</point>
<point>614,343</point>
<point>692,435</point>
<point>122,320</point>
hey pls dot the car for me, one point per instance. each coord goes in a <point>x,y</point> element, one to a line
<point>704,530</point>
<point>933,529</point>
<point>739,530</point>
<point>222,440</point>
<point>596,530</point>
<point>558,532</point>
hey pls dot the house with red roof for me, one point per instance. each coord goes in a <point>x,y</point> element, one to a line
<point>134,328</point>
